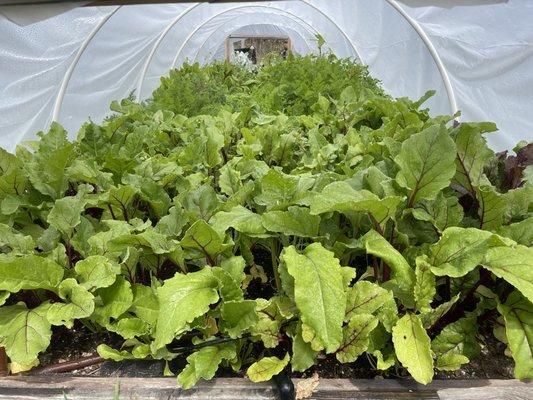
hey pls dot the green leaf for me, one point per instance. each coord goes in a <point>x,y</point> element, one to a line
<point>14,241</point>
<point>66,212</point>
<point>112,301</point>
<point>79,303</point>
<point>442,212</point>
<point>413,348</point>
<point>521,232</point>
<point>368,298</point>
<point>182,299</point>
<point>459,251</point>
<point>456,344</point>
<point>356,337</point>
<point>492,207</point>
<point>202,237</point>
<point>96,272</point>
<point>203,364</point>
<point>403,275</point>
<point>29,272</point>
<point>145,304</point>
<point>425,289</point>
<point>278,190</point>
<point>266,368</point>
<point>46,169</point>
<point>238,316</point>
<point>303,355</point>
<point>427,163</point>
<point>240,219</point>
<point>319,293</point>
<point>518,315</point>
<point>472,154</point>
<point>341,197</point>
<point>109,353</point>
<point>128,327</point>
<point>514,264</point>
<point>25,332</point>
<point>296,221</point>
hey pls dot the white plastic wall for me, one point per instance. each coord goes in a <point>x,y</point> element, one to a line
<point>72,65</point>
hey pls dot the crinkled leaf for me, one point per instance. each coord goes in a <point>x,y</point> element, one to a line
<point>456,344</point>
<point>425,289</point>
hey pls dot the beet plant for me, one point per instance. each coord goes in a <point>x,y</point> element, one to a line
<point>264,221</point>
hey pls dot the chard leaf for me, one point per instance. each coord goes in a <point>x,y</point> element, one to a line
<point>145,304</point>
<point>239,218</point>
<point>492,207</point>
<point>413,348</point>
<point>427,163</point>
<point>182,299</point>
<point>356,337</point>
<point>341,197</point>
<point>296,221</point>
<point>113,301</point>
<point>203,238</point>
<point>266,368</point>
<point>368,298</point>
<point>403,274</point>
<point>472,154</point>
<point>460,250</point>
<point>203,364</point>
<point>456,344</point>
<point>79,303</point>
<point>521,232</point>
<point>303,355</point>
<point>518,315</point>
<point>425,288</point>
<point>514,264</point>
<point>25,332</point>
<point>29,272</point>
<point>96,272</point>
<point>109,353</point>
<point>237,316</point>
<point>318,292</point>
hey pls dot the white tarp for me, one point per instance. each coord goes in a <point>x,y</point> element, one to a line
<point>486,48</point>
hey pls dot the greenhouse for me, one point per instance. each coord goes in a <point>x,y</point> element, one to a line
<point>335,196</point>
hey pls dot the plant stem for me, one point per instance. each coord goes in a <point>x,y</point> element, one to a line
<point>3,362</point>
<point>274,257</point>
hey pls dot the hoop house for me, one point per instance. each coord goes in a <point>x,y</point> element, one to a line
<point>67,63</point>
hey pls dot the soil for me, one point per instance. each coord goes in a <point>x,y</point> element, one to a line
<point>79,342</point>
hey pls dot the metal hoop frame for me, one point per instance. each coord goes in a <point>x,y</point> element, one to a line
<point>174,62</point>
<point>432,51</point>
<point>393,3</point>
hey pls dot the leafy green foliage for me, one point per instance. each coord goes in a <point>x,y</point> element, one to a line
<point>257,220</point>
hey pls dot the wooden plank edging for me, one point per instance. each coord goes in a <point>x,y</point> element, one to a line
<point>87,388</point>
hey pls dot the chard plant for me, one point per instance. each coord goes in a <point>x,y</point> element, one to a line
<point>265,220</point>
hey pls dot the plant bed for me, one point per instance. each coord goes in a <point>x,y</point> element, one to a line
<point>296,219</point>
<point>78,388</point>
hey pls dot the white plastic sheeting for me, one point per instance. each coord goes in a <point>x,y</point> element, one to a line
<point>72,65</point>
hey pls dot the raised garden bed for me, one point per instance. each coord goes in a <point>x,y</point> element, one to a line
<point>294,219</point>
<point>79,388</point>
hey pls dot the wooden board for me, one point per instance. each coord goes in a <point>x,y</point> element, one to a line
<point>77,388</point>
